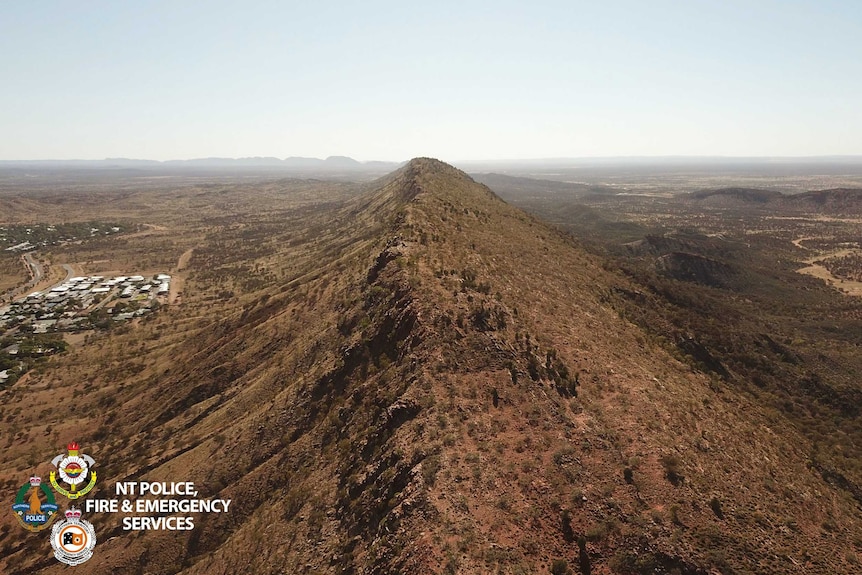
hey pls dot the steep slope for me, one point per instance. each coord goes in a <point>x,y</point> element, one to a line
<point>444,391</point>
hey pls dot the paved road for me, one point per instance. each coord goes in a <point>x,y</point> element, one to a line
<point>70,273</point>
<point>37,273</point>
<point>35,268</point>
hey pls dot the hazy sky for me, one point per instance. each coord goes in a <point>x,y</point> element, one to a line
<point>456,80</point>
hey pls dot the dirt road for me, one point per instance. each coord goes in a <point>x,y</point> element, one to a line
<point>818,271</point>
<point>178,279</point>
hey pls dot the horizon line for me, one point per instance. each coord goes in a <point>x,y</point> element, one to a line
<point>337,158</point>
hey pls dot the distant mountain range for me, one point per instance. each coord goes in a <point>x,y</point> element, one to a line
<point>332,163</point>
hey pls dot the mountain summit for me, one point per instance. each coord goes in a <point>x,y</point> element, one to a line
<point>449,390</point>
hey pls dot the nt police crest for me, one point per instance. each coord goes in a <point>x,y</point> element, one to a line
<point>35,512</point>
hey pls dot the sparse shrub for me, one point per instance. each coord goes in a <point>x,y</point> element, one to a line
<point>430,467</point>
<point>468,278</point>
<point>452,562</point>
<point>578,497</point>
<point>671,464</point>
<point>564,455</point>
<point>628,475</point>
<point>674,515</point>
<point>560,567</point>
<point>625,561</point>
<point>598,532</point>
<point>293,501</point>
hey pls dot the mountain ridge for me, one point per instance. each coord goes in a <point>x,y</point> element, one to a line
<point>446,388</point>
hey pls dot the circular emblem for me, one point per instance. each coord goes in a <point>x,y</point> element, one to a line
<point>36,511</point>
<point>73,539</point>
<point>73,469</point>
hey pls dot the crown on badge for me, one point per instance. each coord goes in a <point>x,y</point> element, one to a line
<point>35,481</point>
<point>73,448</point>
<point>73,513</point>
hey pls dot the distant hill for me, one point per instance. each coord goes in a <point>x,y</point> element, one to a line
<point>222,162</point>
<point>745,195</point>
<point>342,161</point>
<point>332,163</point>
<point>842,200</point>
<point>839,200</point>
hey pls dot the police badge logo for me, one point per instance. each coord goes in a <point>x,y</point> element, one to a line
<point>73,469</point>
<point>73,539</point>
<point>33,514</point>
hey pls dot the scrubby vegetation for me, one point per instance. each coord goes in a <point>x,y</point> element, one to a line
<point>725,296</point>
